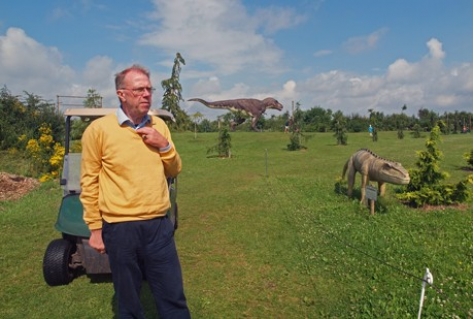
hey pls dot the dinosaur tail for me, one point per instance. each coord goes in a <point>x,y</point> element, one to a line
<point>344,170</point>
<point>200,101</point>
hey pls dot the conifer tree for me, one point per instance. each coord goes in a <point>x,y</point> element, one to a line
<point>172,95</point>
<point>425,187</point>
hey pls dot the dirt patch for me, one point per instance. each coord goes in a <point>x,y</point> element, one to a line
<point>15,186</point>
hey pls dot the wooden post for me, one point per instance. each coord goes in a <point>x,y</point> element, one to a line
<point>372,206</point>
<point>371,195</point>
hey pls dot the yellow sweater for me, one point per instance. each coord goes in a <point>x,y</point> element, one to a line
<point>122,178</point>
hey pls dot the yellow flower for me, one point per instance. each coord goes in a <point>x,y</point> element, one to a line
<point>46,140</point>
<point>44,178</point>
<point>32,146</point>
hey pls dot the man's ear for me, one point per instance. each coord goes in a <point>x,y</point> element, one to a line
<point>121,96</point>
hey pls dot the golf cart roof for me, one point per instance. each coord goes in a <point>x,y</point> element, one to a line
<point>98,112</point>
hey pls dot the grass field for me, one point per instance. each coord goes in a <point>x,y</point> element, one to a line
<point>266,234</point>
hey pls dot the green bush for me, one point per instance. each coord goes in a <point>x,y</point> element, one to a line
<point>425,187</point>
<point>468,158</point>
<point>223,148</point>
<point>295,141</point>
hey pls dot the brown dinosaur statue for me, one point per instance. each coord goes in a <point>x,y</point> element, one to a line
<point>252,107</point>
<point>373,168</point>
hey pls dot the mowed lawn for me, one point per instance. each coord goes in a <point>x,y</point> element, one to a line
<point>267,234</point>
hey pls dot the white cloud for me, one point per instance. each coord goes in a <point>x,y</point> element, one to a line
<point>207,87</point>
<point>364,43</point>
<point>289,88</point>
<point>436,49</point>
<point>37,69</point>
<point>30,66</point>
<point>427,83</point>
<point>98,71</point>
<point>321,53</point>
<point>274,19</point>
<point>219,33</point>
<point>220,38</point>
<point>58,14</point>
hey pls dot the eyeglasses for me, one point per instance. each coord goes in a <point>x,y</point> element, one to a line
<point>141,90</point>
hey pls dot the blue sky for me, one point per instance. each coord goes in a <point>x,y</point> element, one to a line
<point>336,54</point>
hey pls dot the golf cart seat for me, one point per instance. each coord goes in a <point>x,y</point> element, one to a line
<point>71,175</point>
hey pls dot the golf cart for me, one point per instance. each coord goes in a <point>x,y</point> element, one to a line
<point>71,255</point>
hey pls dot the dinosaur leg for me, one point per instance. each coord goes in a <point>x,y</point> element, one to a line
<point>381,188</point>
<point>365,179</point>
<point>254,124</point>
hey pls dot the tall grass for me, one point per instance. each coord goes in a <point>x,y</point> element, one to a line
<point>266,234</point>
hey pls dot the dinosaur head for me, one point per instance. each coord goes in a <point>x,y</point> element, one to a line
<point>394,173</point>
<point>271,103</point>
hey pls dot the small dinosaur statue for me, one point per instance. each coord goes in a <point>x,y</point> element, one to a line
<point>253,107</point>
<point>373,168</point>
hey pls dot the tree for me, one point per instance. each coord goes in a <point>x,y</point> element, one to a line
<point>11,111</point>
<point>223,148</point>
<point>297,124</point>
<point>339,128</point>
<point>78,126</point>
<point>296,141</point>
<point>20,119</point>
<point>317,119</point>
<point>172,94</point>
<point>374,120</point>
<point>197,117</point>
<point>426,186</point>
<point>93,100</point>
<point>427,118</point>
<point>416,131</point>
<point>401,124</point>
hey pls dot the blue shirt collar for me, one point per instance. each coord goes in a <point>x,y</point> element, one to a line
<point>123,119</point>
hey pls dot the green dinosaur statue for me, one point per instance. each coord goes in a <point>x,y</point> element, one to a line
<point>373,168</point>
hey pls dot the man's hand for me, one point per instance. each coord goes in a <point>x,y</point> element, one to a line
<point>96,242</point>
<point>152,137</point>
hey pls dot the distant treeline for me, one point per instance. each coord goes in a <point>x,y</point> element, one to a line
<point>318,119</point>
<point>21,117</point>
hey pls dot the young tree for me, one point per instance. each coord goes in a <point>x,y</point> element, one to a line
<point>468,158</point>
<point>416,131</point>
<point>197,117</point>
<point>401,124</point>
<point>172,94</point>
<point>339,128</point>
<point>296,141</point>
<point>93,100</point>
<point>223,148</point>
<point>426,186</point>
<point>373,121</point>
<point>78,126</point>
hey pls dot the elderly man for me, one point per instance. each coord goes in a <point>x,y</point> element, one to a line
<point>126,158</point>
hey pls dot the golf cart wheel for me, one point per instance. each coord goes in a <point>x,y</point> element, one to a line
<point>56,261</point>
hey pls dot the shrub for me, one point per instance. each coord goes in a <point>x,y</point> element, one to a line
<point>46,155</point>
<point>295,141</point>
<point>426,186</point>
<point>468,158</point>
<point>223,148</point>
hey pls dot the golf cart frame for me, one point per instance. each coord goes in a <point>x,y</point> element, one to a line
<point>68,257</point>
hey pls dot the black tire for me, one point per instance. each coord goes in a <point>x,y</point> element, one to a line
<point>56,261</point>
